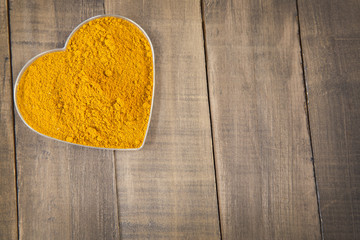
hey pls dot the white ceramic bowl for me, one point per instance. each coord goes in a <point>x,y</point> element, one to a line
<point>63,49</point>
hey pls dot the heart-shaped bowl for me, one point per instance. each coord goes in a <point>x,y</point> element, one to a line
<point>62,50</point>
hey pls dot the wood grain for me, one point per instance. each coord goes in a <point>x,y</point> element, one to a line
<point>167,190</point>
<point>8,205</point>
<point>262,148</point>
<point>65,192</point>
<point>330,33</point>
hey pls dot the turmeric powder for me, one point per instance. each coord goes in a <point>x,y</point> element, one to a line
<point>97,91</point>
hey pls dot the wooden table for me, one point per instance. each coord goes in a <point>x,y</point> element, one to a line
<point>255,131</point>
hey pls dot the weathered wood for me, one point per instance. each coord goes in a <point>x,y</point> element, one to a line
<point>8,208</point>
<point>262,148</point>
<point>167,190</point>
<point>330,32</point>
<point>65,192</point>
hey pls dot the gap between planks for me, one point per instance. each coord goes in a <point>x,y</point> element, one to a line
<point>13,115</point>
<point>116,187</point>
<point>203,24</point>
<point>308,121</point>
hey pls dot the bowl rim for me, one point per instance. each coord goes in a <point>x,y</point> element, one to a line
<point>29,62</point>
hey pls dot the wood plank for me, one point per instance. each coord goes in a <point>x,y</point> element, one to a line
<point>65,192</point>
<point>167,190</point>
<point>330,32</point>
<point>262,148</point>
<point>8,205</point>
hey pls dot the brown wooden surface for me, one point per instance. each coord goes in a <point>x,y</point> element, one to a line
<point>256,182</point>
<point>167,190</point>
<point>330,32</point>
<point>262,148</point>
<point>8,211</point>
<point>65,192</point>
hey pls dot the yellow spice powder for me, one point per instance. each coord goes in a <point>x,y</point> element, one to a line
<point>97,92</point>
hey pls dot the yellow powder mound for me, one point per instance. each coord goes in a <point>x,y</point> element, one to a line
<point>97,92</point>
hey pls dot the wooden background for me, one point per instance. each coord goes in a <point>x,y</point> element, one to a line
<point>255,132</point>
